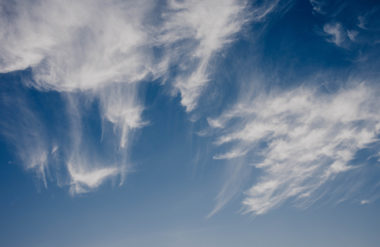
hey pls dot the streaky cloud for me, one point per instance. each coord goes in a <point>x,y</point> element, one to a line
<point>100,54</point>
<point>300,139</point>
<point>209,26</point>
<point>25,132</point>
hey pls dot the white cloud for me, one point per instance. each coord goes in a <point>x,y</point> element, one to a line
<point>87,165</point>
<point>85,178</point>
<point>337,33</point>
<point>94,49</point>
<point>121,107</point>
<point>363,202</point>
<point>368,20</point>
<point>101,43</point>
<point>209,25</point>
<point>303,138</point>
<point>98,43</point>
<point>352,34</point>
<point>102,50</point>
<point>318,6</point>
<point>262,9</point>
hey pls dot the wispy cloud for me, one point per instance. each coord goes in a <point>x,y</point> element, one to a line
<point>89,164</point>
<point>355,33</point>
<point>26,134</point>
<point>102,51</point>
<point>318,6</point>
<point>101,43</point>
<point>98,43</point>
<point>85,177</point>
<point>336,33</point>
<point>98,52</point>
<point>208,26</point>
<point>299,139</point>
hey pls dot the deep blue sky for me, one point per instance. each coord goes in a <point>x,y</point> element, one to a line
<point>189,123</point>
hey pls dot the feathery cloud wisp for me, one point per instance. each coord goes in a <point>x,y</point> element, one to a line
<point>209,25</point>
<point>301,138</point>
<point>102,51</point>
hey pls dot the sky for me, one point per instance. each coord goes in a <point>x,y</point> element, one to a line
<point>189,123</point>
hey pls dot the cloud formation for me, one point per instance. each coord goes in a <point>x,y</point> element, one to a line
<point>102,43</point>
<point>207,26</point>
<point>100,53</point>
<point>358,32</point>
<point>98,57</point>
<point>299,140</point>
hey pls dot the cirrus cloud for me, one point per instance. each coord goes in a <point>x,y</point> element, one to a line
<point>99,52</point>
<point>299,139</point>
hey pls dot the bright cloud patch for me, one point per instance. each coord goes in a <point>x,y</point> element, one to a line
<point>83,179</point>
<point>300,140</point>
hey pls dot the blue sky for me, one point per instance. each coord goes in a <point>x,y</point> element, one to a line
<point>189,123</point>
